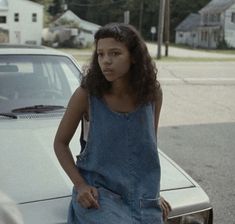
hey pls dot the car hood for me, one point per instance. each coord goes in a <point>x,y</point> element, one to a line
<point>46,212</point>
<point>172,176</point>
<point>30,171</point>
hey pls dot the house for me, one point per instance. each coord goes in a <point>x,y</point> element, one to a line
<point>70,30</point>
<point>187,30</point>
<point>217,25</point>
<point>21,22</point>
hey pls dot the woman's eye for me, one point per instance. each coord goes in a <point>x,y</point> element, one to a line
<point>99,54</point>
<point>115,53</point>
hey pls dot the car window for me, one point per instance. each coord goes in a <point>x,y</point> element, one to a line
<point>27,80</point>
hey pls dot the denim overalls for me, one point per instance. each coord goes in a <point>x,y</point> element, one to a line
<point>121,160</point>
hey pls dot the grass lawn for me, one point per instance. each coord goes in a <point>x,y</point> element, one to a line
<point>193,59</point>
<point>83,56</point>
<point>217,51</point>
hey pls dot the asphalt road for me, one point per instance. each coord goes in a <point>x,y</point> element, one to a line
<point>197,128</point>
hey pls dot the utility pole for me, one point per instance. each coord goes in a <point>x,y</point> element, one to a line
<point>127,17</point>
<point>160,27</point>
<point>167,26</point>
<point>141,15</point>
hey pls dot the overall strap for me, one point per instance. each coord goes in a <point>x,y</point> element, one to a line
<point>82,141</point>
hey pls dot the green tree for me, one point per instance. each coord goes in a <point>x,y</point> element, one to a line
<point>105,11</point>
<point>55,8</point>
<point>79,7</point>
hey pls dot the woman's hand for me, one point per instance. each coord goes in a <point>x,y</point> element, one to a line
<point>166,208</point>
<point>88,196</point>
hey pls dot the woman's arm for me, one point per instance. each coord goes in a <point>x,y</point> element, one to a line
<point>165,206</point>
<point>158,106</point>
<point>77,106</point>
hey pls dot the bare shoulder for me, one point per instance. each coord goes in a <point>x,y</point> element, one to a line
<point>159,97</point>
<point>81,93</point>
<point>76,108</point>
<point>80,96</point>
<point>79,99</point>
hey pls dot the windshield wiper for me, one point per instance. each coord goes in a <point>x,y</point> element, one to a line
<point>37,109</point>
<point>10,115</point>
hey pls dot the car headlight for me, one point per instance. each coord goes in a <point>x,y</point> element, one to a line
<point>204,217</point>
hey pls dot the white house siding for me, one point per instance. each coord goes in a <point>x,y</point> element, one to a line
<point>187,30</point>
<point>190,38</point>
<point>4,27</point>
<point>180,37</point>
<point>210,32</point>
<point>209,36</point>
<point>230,27</point>
<point>194,38</point>
<point>4,13</point>
<point>25,31</point>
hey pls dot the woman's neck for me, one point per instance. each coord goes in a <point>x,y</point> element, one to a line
<point>121,88</point>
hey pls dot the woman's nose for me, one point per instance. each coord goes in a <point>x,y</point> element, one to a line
<point>107,59</point>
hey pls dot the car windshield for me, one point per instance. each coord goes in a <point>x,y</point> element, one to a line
<point>30,81</point>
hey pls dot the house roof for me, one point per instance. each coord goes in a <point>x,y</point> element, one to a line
<point>69,15</point>
<point>4,4</point>
<point>189,23</point>
<point>217,6</point>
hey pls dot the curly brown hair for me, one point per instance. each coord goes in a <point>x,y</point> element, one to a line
<point>143,78</point>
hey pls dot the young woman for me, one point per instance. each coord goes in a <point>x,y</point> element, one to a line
<point>117,175</point>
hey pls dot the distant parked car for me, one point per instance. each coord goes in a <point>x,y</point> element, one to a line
<point>35,86</point>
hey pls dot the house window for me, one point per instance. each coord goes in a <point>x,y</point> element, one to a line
<point>34,17</point>
<point>206,36</point>
<point>202,36</point>
<point>216,35</point>
<point>16,17</point>
<point>217,17</point>
<point>205,18</point>
<point>233,17</point>
<point>212,18</point>
<point>3,19</point>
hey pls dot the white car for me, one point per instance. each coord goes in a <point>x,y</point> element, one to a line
<point>35,86</point>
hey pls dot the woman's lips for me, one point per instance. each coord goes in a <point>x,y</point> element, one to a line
<point>107,70</point>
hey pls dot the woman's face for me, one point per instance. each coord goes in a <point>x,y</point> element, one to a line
<point>114,59</point>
